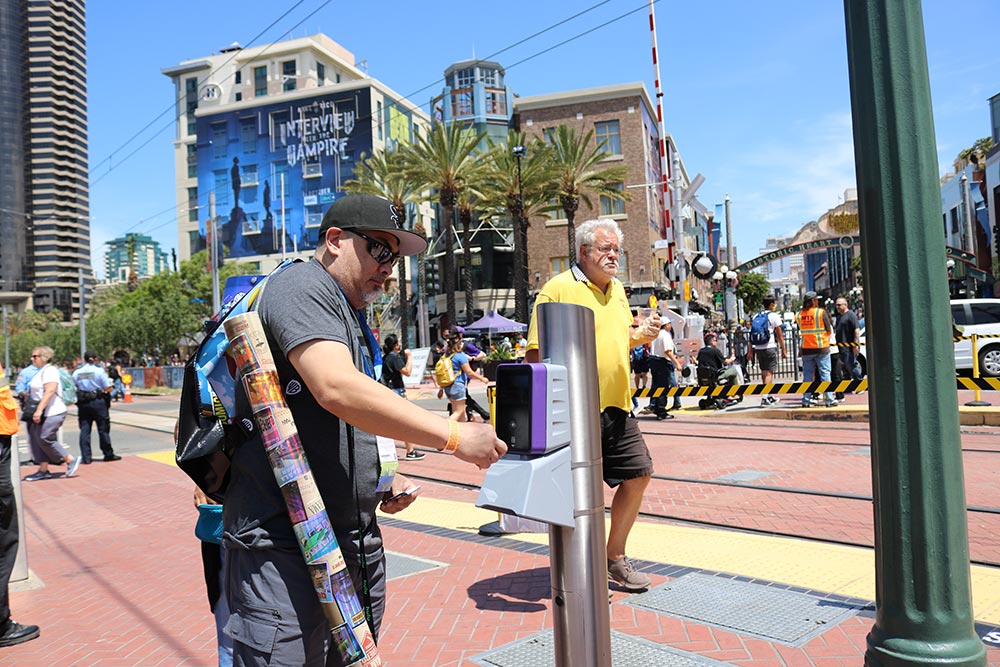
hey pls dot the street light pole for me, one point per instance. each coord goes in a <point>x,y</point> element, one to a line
<point>520,245</point>
<point>730,260</point>
<point>923,600</point>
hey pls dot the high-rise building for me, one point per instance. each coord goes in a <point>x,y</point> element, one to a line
<point>271,133</point>
<point>135,251</point>
<point>44,201</point>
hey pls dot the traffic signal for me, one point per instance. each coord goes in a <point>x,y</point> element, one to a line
<point>433,274</point>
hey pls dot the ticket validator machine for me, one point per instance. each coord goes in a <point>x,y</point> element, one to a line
<point>549,416</point>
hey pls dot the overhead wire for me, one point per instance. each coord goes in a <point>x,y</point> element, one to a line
<point>184,96</point>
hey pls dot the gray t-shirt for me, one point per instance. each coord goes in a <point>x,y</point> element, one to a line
<point>299,304</point>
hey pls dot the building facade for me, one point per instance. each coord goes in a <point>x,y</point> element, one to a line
<point>625,119</point>
<point>268,136</point>
<point>134,251</point>
<point>44,190</point>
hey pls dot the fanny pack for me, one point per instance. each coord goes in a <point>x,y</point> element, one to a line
<point>88,395</point>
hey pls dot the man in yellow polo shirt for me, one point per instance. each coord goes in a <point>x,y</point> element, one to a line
<point>627,463</point>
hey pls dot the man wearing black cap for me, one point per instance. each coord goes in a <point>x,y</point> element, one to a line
<point>93,387</point>
<point>328,364</point>
<point>816,329</point>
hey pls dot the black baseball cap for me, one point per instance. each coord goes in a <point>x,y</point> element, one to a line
<point>368,212</point>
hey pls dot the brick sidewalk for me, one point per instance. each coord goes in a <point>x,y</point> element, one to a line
<point>120,584</point>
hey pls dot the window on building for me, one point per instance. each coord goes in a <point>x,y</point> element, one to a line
<point>611,206</point>
<point>192,204</point>
<point>248,175</point>
<point>496,103</point>
<point>191,102</point>
<point>461,103</point>
<point>558,265</point>
<point>556,212</point>
<point>239,77</point>
<point>248,135</point>
<point>239,97</point>
<point>223,188</point>
<point>622,274</point>
<point>464,78</point>
<point>220,140</point>
<point>490,76</point>
<point>320,74</point>
<point>281,169</point>
<point>279,131</point>
<point>549,135</point>
<point>288,76</point>
<point>954,220</point>
<point>608,132</point>
<point>192,160</point>
<point>379,121</point>
<point>260,81</point>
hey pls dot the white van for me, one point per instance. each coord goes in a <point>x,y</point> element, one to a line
<point>976,316</point>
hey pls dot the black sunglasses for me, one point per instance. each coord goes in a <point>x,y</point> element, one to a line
<point>378,249</point>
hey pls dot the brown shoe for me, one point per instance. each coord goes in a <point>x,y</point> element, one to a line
<point>623,573</point>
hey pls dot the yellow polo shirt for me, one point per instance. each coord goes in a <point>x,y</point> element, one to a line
<point>612,329</point>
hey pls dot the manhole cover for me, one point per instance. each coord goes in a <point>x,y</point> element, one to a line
<point>626,651</point>
<point>774,614</point>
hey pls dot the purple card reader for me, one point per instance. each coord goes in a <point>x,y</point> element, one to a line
<point>532,407</point>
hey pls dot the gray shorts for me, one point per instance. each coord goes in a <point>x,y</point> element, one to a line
<point>767,359</point>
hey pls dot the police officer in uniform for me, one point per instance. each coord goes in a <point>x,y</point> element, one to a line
<point>92,397</point>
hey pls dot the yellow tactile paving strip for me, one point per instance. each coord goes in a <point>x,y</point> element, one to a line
<point>832,568</point>
<point>842,570</point>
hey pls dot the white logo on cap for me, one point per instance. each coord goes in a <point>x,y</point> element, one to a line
<point>394,213</point>
<point>293,388</point>
<point>247,424</point>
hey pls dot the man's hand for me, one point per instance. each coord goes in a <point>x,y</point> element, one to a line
<point>391,503</point>
<point>479,444</point>
<point>647,331</point>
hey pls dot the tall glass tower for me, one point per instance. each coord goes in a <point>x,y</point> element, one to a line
<point>45,187</point>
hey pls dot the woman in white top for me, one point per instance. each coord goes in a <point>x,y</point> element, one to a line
<point>45,390</point>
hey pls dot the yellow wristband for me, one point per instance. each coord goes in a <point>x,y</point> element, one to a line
<point>453,432</point>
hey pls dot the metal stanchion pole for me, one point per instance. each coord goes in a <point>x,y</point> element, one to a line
<point>977,402</point>
<point>581,618</point>
<point>20,571</point>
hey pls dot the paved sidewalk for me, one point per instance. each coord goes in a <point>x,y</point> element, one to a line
<point>116,574</point>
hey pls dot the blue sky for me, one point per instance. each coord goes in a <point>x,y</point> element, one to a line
<point>755,94</point>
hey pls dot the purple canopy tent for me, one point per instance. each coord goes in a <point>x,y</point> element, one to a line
<point>493,323</point>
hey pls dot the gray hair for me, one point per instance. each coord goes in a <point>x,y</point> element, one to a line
<point>46,353</point>
<point>587,231</point>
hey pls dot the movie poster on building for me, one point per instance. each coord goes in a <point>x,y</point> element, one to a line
<point>310,144</point>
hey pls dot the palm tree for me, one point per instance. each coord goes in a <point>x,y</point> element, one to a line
<point>133,277</point>
<point>520,187</point>
<point>465,205</point>
<point>578,176</point>
<point>384,175</point>
<point>446,160</point>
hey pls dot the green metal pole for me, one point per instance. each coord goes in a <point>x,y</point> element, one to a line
<point>923,601</point>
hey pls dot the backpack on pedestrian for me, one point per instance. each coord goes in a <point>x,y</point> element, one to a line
<point>68,386</point>
<point>444,371</point>
<point>760,328</point>
<point>208,430</point>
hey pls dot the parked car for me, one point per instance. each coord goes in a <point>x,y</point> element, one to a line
<point>975,316</point>
<point>978,316</point>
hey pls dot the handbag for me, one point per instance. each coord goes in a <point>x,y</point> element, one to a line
<point>28,408</point>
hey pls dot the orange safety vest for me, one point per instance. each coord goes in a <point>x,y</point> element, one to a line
<point>814,333</point>
<point>9,424</point>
